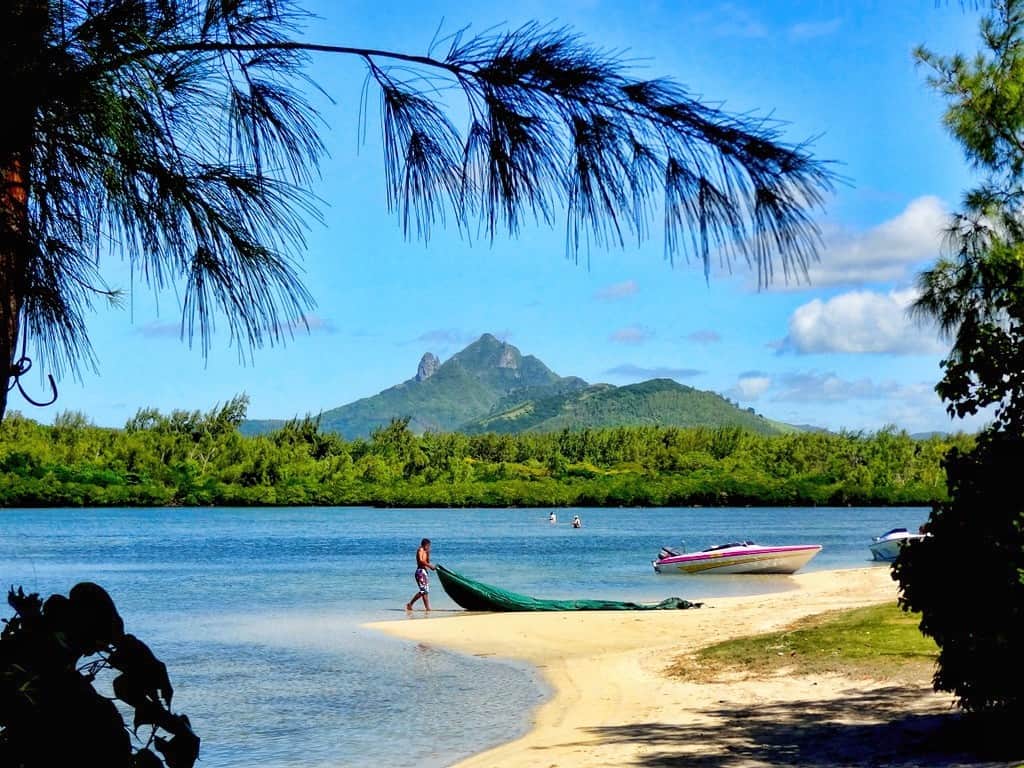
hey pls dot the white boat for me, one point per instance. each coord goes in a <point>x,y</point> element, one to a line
<point>737,557</point>
<point>887,546</point>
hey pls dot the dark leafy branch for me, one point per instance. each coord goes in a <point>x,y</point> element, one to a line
<point>51,713</point>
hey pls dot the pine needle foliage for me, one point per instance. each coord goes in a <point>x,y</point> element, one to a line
<point>179,135</point>
<point>975,293</point>
<point>557,127</point>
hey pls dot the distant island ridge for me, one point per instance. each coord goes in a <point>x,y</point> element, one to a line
<point>490,386</point>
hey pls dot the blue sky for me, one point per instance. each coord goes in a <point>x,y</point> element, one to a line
<point>838,353</point>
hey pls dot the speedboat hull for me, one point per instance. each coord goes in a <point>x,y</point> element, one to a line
<point>740,559</point>
<point>886,548</point>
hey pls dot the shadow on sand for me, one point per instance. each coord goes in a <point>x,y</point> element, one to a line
<point>866,728</point>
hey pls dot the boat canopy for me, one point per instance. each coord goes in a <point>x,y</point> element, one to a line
<point>477,596</point>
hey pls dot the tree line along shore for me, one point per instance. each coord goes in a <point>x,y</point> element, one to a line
<point>192,458</point>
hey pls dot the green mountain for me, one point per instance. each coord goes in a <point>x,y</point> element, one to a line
<point>660,402</point>
<point>443,396</point>
<point>491,387</point>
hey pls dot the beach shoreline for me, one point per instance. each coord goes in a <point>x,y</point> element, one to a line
<point>612,703</point>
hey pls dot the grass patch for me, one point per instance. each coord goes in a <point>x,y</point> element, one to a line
<point>880,642</point>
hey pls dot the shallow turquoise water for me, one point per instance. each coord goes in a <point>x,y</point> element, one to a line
<point>257,611</point>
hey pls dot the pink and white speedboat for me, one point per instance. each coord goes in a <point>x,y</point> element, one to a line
<point>737,557</point>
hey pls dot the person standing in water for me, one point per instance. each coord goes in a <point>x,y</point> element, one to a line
<point>576,522</point>
<point>422,579</point>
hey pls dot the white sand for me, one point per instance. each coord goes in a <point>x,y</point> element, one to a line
<point>613,704</point>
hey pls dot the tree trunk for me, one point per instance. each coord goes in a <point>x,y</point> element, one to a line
<point>23,38</point>
<point>14,222</point>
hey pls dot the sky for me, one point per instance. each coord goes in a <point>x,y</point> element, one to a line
<point>838,352</point>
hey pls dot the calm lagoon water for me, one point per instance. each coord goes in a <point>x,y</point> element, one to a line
<point>257,612</point>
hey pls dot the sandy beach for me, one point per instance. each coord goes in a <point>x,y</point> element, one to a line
<point>613,704</point>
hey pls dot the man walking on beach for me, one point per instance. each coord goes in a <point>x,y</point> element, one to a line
<point>422,580</point>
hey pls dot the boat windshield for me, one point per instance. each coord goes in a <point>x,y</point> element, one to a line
<point>731,544</point>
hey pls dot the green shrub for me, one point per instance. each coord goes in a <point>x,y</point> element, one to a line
<point>967,578</point>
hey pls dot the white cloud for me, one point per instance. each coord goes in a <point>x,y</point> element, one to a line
<point>704,336</point>
<point>308,323</point>
<point>826,399</point>
<point>750,387</point>
<point>158,329</point>
<point>919,409</point>
<point>631,334</point>
<point>882,254</point>
<point>828,387</point>
<point>808,30</point>
<point>630,371</point>
<point>732,20</point>
<point>445,337</point>
<point>860,322</point>
<point>617,291</point>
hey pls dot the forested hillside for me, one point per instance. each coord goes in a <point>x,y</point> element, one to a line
<point>193,458</point>
<point>661,402</point>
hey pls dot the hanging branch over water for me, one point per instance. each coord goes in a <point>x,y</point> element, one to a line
<point>557,124</point>
<point>176,134</point>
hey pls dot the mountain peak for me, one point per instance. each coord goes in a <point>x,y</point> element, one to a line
<point>491,386</point>
<point>488,343</point>
<point>428,366</point>
<point>488,352</point>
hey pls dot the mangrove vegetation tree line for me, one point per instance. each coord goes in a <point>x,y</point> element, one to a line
<point>194,458</point>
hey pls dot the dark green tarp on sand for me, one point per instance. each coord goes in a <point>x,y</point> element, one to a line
<point>477,596</point>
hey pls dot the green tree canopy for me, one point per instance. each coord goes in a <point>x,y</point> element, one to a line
<point>196,458</point>
<point>976,292</point>
<point>967,578</point>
